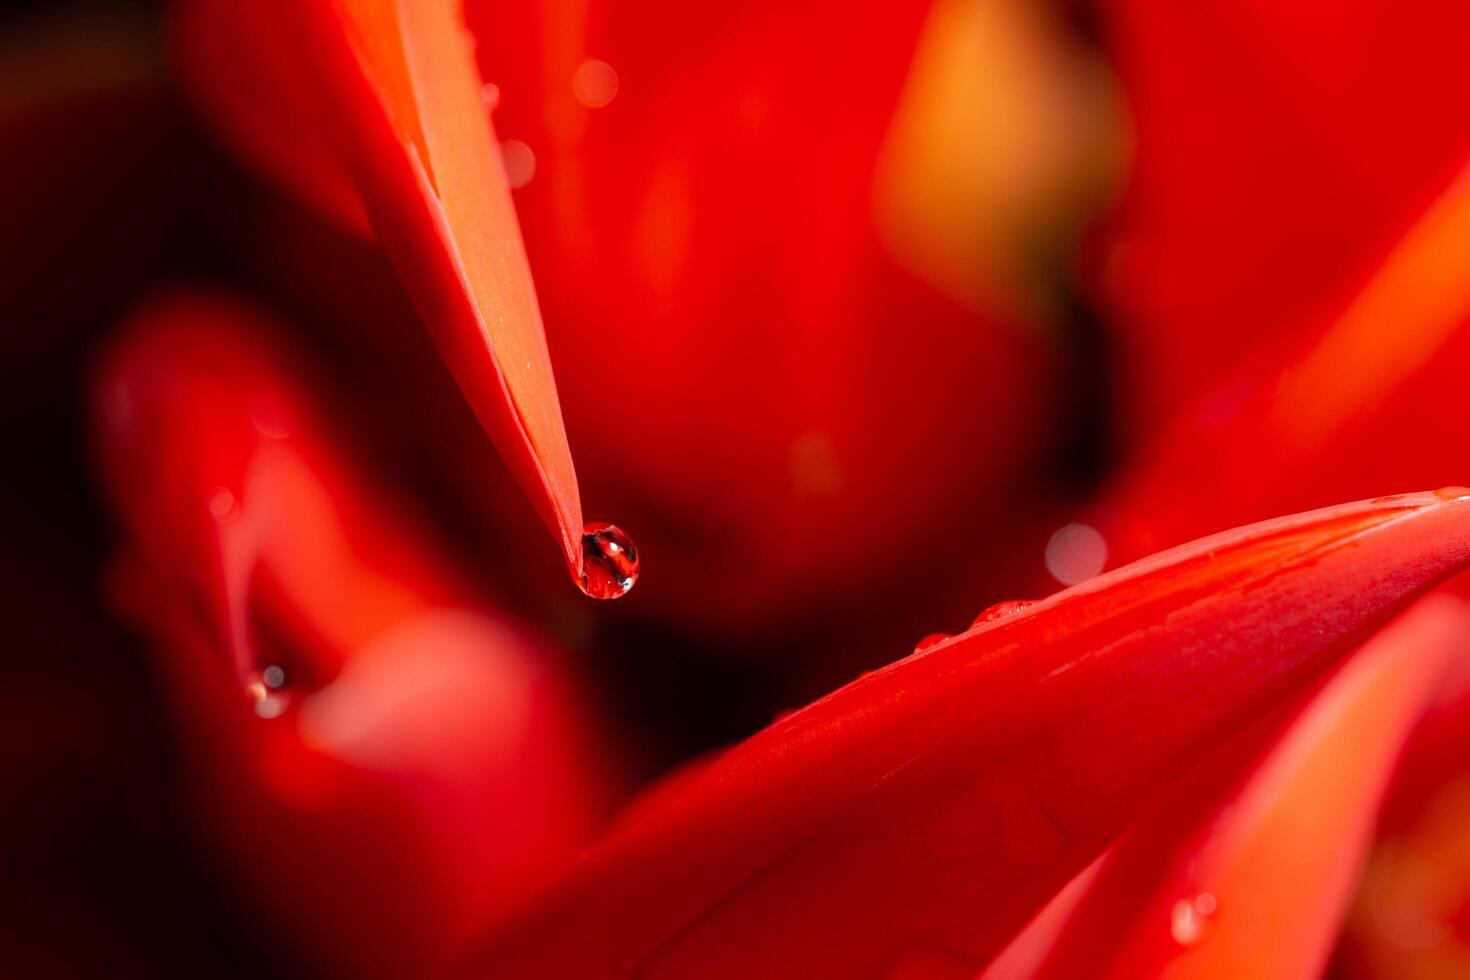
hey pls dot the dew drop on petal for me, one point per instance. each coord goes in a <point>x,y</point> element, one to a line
<point>271,417</point>
<point>1076,553</point>
<point>1452,493</point>
<point>1187,917</point>
<point>932,640</point>
<point>594,83</point>
<point>609,561</point>
<point>221,502</point>
<point>519,161</point>
<point>1001,610</point>
<point>267,692</point>
<point>490,95</point>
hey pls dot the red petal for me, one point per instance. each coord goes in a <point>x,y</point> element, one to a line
<point>1353,403</point>
<point>1277,151</point>
<point>246,72</point>
<point>426,759</point>
<point>930,808</point>
<point>1236,875</point>
<point>400,101</point>
<point>710,235</point>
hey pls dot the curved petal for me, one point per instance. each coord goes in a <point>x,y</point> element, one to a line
<point>389,87</point>
<point>928,809</point>
<point>1352,402</point>
<point>1246,867</point>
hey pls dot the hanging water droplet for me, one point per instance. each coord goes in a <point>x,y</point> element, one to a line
<point>1003,609</point>
<point>609,561</point>
<point>932,640</point>
<point>1188,915</point>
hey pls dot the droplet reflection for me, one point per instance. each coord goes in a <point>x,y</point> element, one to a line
<point>609,561</point>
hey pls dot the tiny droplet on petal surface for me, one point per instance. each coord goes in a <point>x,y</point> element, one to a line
<point>520,163</point>
<point>932,640</point>
<point>266,690</point>
<point>221,502</point>
<point>1188,915</point>
<point>1452,493</point>
<point>1076,553</point>
<point>1001,610</point>
<point>594,83</point>
<point>609,561</point>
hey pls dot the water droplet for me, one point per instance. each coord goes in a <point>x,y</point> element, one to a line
<point>1452,493</point>
<point>271,417</point>
<point>519,161</point>
<point>932,640</point>
<point>1076,553</point>
<point>221,501</point>
<point>1001,610</point>
<point>609,561</point>
<point>594,83</point>
<point>490,95</point>
<point>1188,915</point>
<point>266,689</point>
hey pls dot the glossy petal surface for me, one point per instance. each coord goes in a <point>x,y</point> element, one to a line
<point>389,91</point>
<point>1246,867</point>
<point>931,807</point>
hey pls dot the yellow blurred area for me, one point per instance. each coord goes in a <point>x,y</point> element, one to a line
<point>1009,131</point>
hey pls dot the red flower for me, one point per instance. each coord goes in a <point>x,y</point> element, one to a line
<point>818,288</point>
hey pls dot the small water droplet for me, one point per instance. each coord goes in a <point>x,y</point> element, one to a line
<point>1075,553</point>
<point>221,501</point>
<point>932,640</point>
<point>609,561</point>
<point>267,693</point>
<point>271,417</point>
<point>1188,915</point>
<point>1452,493</point>
<point>520,163</point>
<point>594,83</point>
<point>1003,609</point>
<point>490,95</point>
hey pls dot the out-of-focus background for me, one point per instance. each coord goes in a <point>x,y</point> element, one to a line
<point>864,316</point>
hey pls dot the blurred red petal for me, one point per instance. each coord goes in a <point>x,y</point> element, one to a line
<point>1353,404</point>
<point>420,759</point>
<point>990,768</point>
<point>1277,151</point>
<point>249,76</point>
